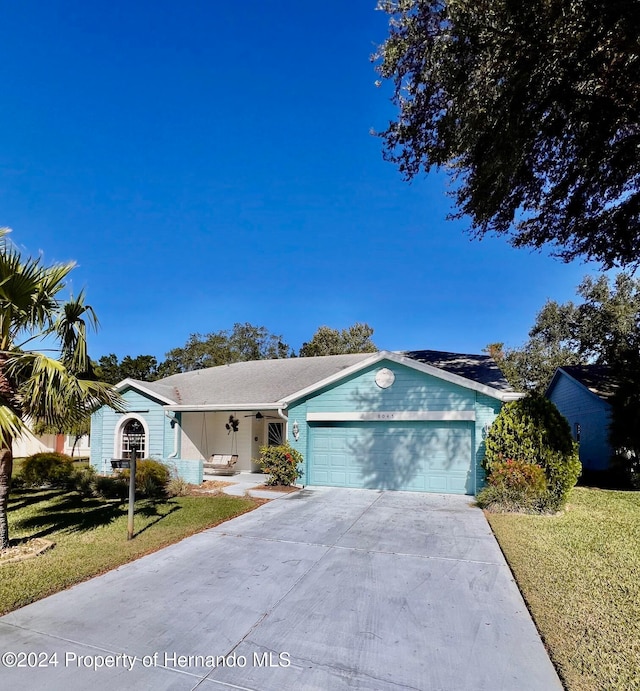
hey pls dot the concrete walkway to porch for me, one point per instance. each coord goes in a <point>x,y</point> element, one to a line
<point>247,482</point>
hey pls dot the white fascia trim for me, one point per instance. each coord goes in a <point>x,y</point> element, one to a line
<point>216,407</point>
<point>131,384</point>
<point>554,379</point>
<point>413,364</point>
<point>394,415</point>
<point>512,396</point>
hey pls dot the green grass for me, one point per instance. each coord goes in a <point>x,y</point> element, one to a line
<point>90,536</point>
<point>580,575</point>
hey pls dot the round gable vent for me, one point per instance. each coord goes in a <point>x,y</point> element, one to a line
<point>384,378</point>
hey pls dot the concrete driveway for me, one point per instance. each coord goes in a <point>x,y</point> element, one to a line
<point>324,589</point>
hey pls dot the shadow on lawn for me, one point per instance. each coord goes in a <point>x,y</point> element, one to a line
<point>76,514</point>
<point>21,498</point>
<point>151,510</point>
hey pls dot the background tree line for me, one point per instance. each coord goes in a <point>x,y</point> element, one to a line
<point>602,328</point>
<point>242,343</point>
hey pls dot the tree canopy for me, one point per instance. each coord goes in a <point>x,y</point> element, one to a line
<point>328,341</point>
<point>244,342</point>
<point>603,328</point>
<point>141,367</point>
<point>533,108</point>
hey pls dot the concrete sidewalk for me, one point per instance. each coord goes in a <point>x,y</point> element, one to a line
<point>325,589</point>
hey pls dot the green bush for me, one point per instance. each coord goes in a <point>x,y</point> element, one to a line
<point>151,477</point>
<point>47,468</point>
<point>282,463</point>
<point>533,431</point>
<point>82,480</point>
<point>110,487</point>
<point>515,486</point>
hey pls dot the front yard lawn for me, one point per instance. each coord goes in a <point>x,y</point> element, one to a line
<point>90,536</point>
<point>580,575</point>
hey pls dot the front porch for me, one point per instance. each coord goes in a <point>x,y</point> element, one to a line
<point>242,433</point>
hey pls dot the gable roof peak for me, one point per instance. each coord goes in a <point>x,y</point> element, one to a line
<point>597,378</point>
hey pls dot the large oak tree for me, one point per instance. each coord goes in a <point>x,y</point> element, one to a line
<point>534,109</point>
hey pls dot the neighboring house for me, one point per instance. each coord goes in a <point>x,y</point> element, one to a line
<point>582,393</point>
<point>410,420</point>
<point>28,444</point>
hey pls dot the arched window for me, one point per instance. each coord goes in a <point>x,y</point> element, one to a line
<point>129,426</point>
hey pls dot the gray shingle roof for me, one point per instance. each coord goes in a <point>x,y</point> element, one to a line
<point>258,381</point>
<point>597,378</point>
<point>478,368</point>
<point>270,381</point>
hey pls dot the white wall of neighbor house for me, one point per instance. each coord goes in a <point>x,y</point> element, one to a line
<point>204,433</point>
<point>28,444</point>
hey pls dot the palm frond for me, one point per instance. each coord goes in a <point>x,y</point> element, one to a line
<point>53,395</point>
<point>71,329</point>
<point>28,292</point>
<point>11,426</point>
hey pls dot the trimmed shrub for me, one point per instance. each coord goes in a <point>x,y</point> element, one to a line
<point>83,479</point>
<point>515,486</point>
<point>533,431</point>
<point>281,463</point>
<point>110,487</point>
<point>47,468</point>
<point>151,477</point>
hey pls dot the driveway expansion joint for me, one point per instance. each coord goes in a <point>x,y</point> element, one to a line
<point>334,545</point>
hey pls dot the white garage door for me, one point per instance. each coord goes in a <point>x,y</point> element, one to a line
<point>418,456</point>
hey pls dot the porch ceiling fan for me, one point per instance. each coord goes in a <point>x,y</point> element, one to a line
<point>260,416</point>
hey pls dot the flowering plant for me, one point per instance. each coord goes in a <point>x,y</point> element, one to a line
<point>518,475</point>
<point>514,485</point>
<point>281,463</point>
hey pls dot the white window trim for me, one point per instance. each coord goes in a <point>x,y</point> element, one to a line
<point>117,440</point>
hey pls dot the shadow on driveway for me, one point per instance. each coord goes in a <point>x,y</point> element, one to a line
<point>322,589</point>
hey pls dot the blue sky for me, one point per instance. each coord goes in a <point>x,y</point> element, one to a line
<point>207,163</point>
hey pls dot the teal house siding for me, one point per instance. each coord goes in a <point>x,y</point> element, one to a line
<point>97,431</point>
<point>140,406</point>
<point>411,390</point>
<point>415,455</point>
<point>190,471</point>
<point>487,410</point>
<point>161,437</point>
<point>582,407</point>
<point>298,413</point>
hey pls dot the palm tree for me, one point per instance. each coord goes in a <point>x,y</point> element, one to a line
<point>35,387</point>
